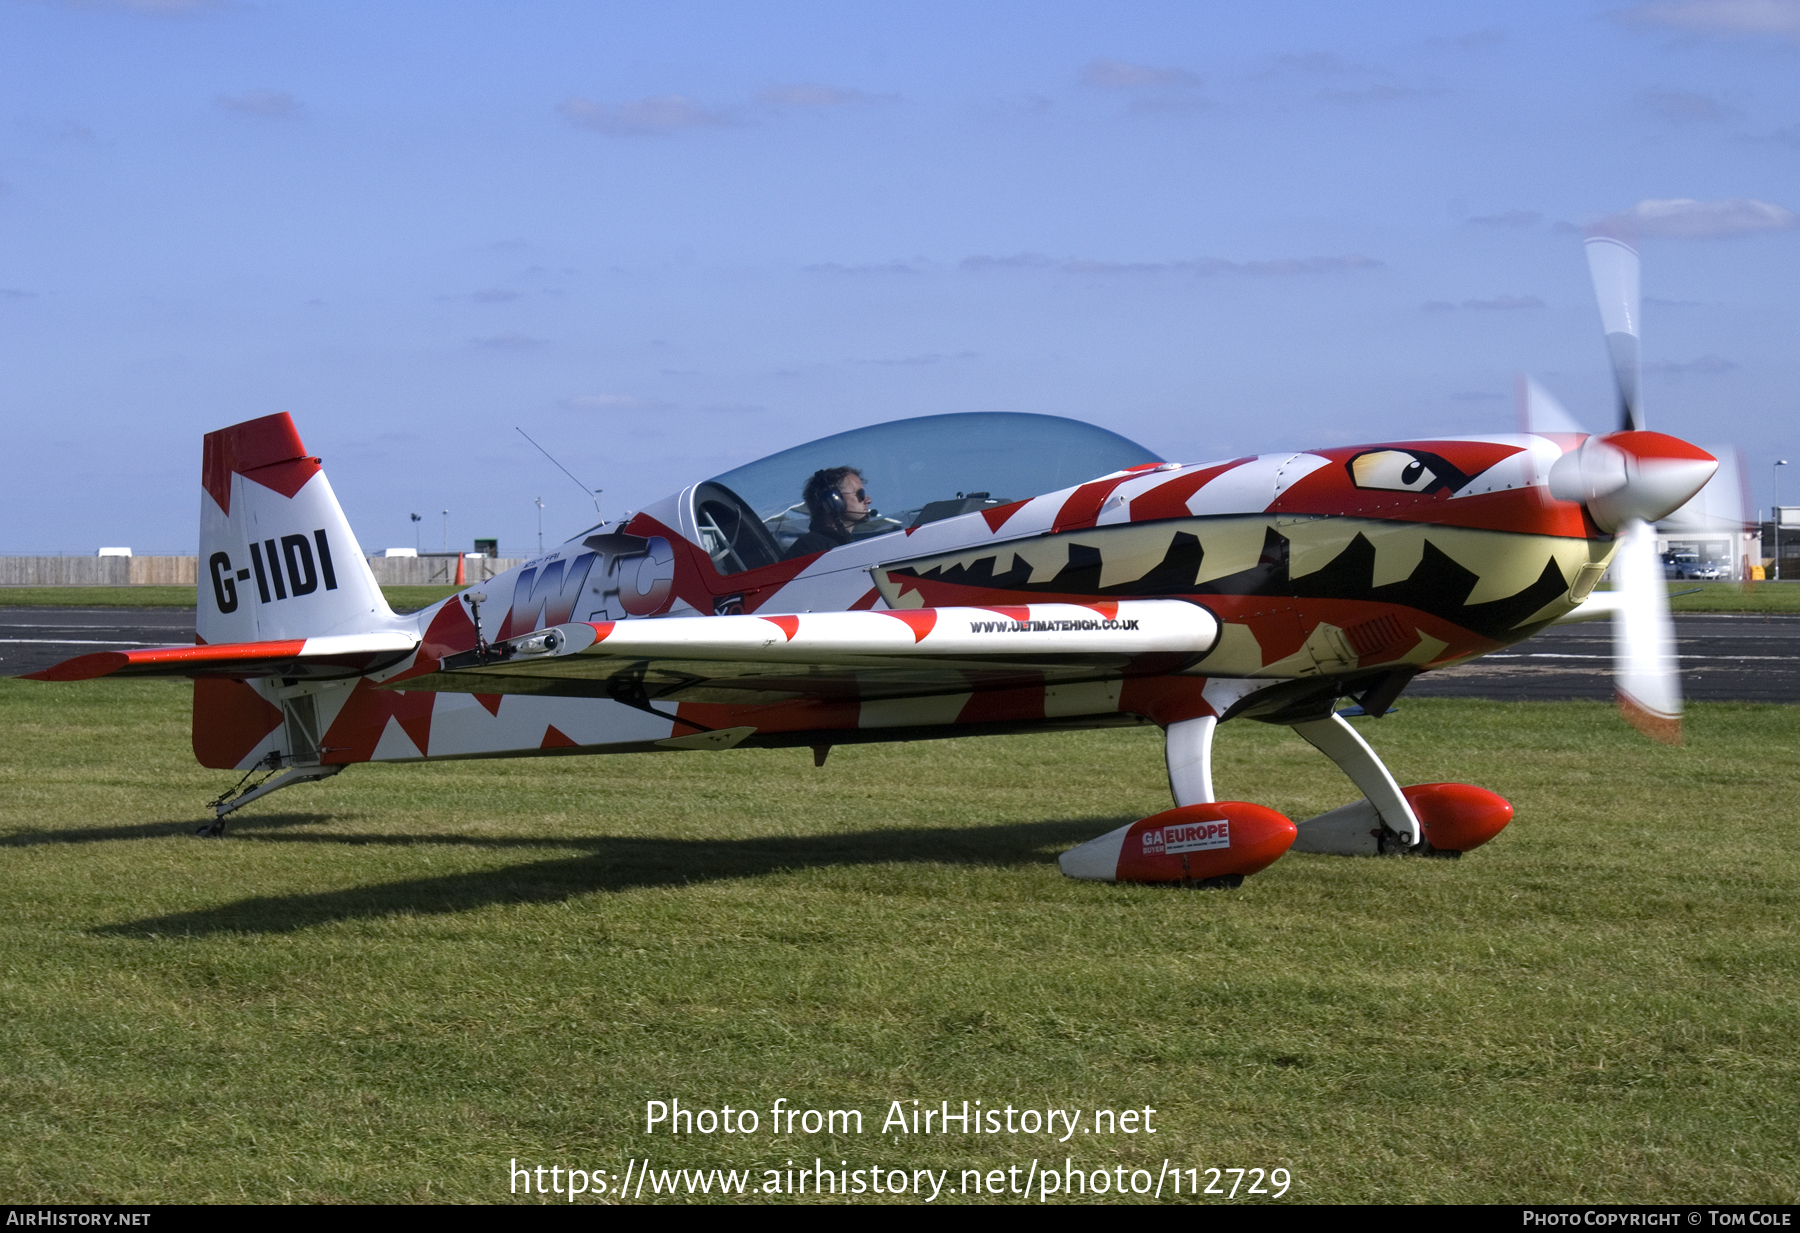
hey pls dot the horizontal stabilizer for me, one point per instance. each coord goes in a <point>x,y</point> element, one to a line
<point>300,658</point>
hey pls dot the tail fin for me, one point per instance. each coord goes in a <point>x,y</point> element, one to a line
<point>277,557</point>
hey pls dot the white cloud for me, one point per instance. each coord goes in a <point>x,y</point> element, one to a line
<point>1508,218</point>
<point>1683,218</point>
<point>646,117</point>
<point>1202,267</point>
<point>1504,303</point>
<point>609,402</point>
<point>1500,303</point>
<point>879,267</point>
<point>1018,261</point>
<point>274,103</point>
<point>1281,266</point>
<point>916,361</point>
<point>1685,106</point>
<point>1779,18</point>
<point>803,94</point>
<point>1156,90</point>
<point>1119,75</point>
<point>1706,365</point>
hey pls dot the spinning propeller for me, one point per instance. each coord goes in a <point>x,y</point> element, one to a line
<point>1627,480</point>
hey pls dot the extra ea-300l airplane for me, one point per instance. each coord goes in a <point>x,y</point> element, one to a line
<point>1035,573</point>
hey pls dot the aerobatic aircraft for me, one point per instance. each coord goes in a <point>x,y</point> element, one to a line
<point>1016,573</point>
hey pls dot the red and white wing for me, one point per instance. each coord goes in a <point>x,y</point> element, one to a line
<point>752,659</point>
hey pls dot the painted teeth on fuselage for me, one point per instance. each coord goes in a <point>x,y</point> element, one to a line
<point>1496,584</point>
<point>1486,581</point>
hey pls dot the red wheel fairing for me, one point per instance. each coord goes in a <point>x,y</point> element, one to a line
<point>1458,816</point>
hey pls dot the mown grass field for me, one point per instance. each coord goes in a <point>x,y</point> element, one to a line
<point>1771,597</point>
<point>386,986</point>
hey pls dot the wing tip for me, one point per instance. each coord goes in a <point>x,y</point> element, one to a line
<point>81,668</point>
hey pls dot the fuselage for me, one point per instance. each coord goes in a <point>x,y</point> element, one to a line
<point>1330,568</point>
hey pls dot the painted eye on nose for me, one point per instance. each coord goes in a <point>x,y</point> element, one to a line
<point>1405,471</point>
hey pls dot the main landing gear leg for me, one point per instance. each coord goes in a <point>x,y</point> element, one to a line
<point>1336,739</point>
<point>1187,750</point>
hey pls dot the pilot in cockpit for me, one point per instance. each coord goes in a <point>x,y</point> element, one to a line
<point>838,503</point>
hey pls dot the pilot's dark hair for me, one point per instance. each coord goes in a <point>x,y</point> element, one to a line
<point>823,500</point>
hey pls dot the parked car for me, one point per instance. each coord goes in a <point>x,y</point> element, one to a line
<point>1687,566</point>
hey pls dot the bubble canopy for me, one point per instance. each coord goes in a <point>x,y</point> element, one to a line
<point>935,466</point>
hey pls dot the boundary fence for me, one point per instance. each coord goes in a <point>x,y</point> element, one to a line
<point>435,570</point>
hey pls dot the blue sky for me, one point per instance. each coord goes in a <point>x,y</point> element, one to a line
<point>669,238</point>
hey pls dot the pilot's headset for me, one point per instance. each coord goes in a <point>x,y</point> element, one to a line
<point>830,500</point>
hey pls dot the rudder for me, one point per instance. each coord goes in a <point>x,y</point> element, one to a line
<point>277,556</point>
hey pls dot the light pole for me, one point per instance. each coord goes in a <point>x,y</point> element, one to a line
<point>416,521</point>
<point>539,502</point>
<point>1775,511</point>
<point>446,530</point>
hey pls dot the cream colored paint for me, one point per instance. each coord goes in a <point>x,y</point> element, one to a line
<point>1082,698</point>
<point>905,712</point>
<point>1237,653</point>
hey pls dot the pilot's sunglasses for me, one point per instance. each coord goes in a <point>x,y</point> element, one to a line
<point>859,494</point>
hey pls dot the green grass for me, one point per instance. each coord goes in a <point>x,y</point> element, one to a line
<point>401,599</point>
<point>97,597</point>
<point>1758,597</point>
<point>1735,597</point>
<point>410,599</point>
<point>386,986</point>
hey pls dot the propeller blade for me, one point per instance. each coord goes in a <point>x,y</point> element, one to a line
<point>1646,676</point>
<point>1614,267</point>
<point>1540,412</point>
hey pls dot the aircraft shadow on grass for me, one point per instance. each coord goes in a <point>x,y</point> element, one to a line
<point>144,830</point>
<point>605,863</point>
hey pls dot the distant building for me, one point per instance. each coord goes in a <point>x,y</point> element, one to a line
<point>1790,541</point>
<point>1731,549</point>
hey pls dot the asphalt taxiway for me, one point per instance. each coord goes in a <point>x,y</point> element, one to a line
<point>32,639</point>
<point>1724,658</point>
